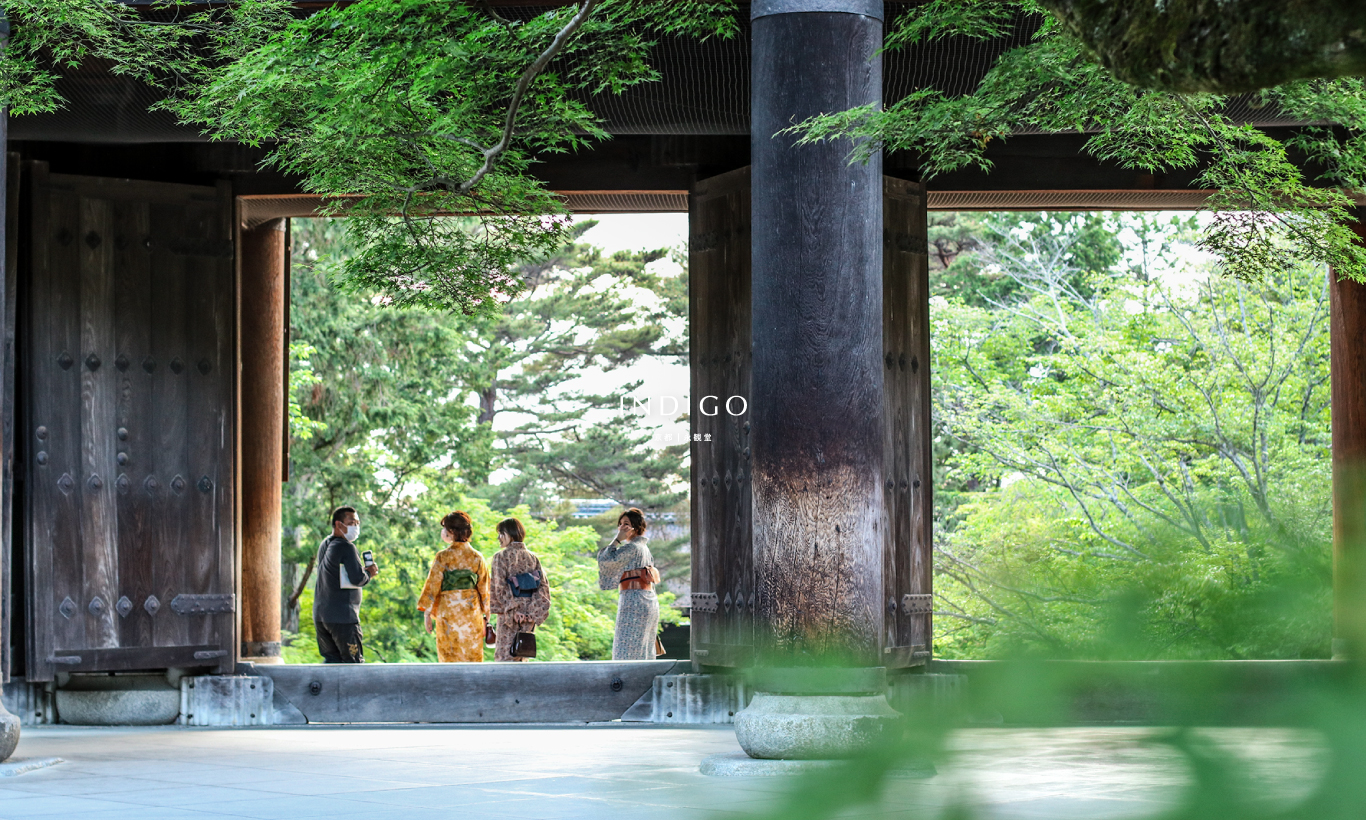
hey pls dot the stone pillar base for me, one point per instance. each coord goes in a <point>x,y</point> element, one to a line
<point>9,733</point>
<point>261,652</point>
<point>815,727</point>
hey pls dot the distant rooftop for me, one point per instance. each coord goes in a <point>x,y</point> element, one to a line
<point>595,507</point>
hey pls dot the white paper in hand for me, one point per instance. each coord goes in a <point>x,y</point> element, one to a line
<point>344,579</point>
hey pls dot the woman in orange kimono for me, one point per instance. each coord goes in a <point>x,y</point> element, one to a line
<point>455,599</point>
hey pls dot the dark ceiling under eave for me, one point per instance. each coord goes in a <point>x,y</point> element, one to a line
<point>704,91</point>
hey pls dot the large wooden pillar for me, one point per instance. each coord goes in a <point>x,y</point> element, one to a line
<point>817,442</point>
<point>262,253</point>
<point>1347,329</point>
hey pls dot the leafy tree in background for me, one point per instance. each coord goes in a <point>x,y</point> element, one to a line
<point>977,259</point>
<point>1269,214</point>
<point>581,309</point>
<point>392,402</point>
<point>380,402</point>
<point>970,253</point>
<point>1135,440</point>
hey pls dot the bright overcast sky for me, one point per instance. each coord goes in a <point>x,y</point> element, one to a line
<point>635,232</point>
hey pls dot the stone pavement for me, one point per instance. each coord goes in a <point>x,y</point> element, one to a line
<point>641,772</point>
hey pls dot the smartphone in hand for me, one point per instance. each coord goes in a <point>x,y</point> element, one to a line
<point>368,557</point>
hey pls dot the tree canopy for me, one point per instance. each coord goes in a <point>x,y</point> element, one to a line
<point>403,111</point>
<point>1277,201</point>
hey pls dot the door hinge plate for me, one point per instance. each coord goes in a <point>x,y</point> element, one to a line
<point>704,602</point>
<point>917,604</point>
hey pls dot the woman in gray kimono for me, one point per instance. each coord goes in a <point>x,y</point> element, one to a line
<point>626,564</point>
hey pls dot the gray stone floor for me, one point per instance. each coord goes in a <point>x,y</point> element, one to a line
<point>607,771</point>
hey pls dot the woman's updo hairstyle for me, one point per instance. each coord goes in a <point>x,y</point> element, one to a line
<point>635,518</point>
<point>459,525</point>
<point>513,529</point>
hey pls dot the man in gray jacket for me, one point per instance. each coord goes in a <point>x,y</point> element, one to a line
<point>336,597</point>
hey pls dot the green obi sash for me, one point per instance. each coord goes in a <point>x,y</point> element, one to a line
<point>458,579</point>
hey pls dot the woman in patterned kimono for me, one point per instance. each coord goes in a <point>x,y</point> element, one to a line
<point>517,612</point>
<point>455,600</point>
<point>626,564</point>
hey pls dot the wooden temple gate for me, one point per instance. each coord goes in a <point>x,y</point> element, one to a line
<point>129,425</point>
<point>149,470</point>
<point>727,594</point>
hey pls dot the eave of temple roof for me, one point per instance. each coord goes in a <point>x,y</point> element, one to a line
<point>704,90</point>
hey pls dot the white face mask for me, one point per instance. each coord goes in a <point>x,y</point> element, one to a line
<point>353,532</point>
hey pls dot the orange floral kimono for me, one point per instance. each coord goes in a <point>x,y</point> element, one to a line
<point>457,596</point>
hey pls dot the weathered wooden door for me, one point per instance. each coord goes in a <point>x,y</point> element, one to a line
<point>723,598</point>
<point>129,384</point>
<point>723,583</point>
<point>908,457</point>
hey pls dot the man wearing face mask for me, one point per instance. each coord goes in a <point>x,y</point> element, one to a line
<point>336,597</point>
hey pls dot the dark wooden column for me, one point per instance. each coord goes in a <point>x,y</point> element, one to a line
<point>1347,328</point>
<point>819,513</point>
<point>262,252</point>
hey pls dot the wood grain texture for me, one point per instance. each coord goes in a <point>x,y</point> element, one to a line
<point>720,363</point>
<point>169,431</point>
<point>263,373</point>
<point>1347,333</point>
<point>135,442</point>
<point>130,377</point>
<point>56,569</point>
<point>226,317</point>
<point>720,297</point>
<point>909,460</point>
<point>135,657</point>
<point>817,406</point>
<point>204,424</point>
<point>95,363</point>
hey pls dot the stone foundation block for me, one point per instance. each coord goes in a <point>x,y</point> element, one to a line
<point>227,700</point>
<point>814,727</point>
